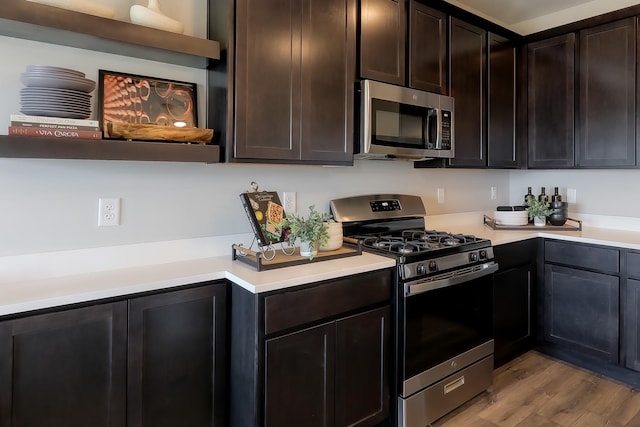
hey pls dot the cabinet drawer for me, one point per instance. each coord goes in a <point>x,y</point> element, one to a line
<point>633,265</point>
<point>297,307</point>
<point>585,256</point>
<point>515,254</point>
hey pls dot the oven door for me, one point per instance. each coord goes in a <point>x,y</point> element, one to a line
<point>446,328</point>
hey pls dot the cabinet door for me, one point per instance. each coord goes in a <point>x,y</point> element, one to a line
<point>64,369</point>
<point>467,68</point>
<point>268,58</point>
<point>501,114</point>
<point>607,106</point>
<point>328,76</point>
<point>551,102</point>
<point>299,378</point>
<point>581,311</point>
<point>362,365</point>
<point>382,40</point>
<point>512,308</point>
<point>428,48</point>
<point>176,358</point>
<point>631,321</point>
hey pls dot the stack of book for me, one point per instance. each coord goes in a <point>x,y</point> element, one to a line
<point>54,127</point>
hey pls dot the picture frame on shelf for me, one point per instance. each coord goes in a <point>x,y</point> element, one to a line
<point>144,100</point>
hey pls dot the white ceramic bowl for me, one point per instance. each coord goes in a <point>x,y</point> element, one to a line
<point>511,217</point>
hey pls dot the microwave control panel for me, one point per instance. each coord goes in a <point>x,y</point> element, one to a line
<point>445,139</point>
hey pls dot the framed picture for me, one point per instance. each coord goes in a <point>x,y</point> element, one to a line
<point>129,98</point>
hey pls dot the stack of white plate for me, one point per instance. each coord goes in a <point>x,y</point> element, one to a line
<point>511,217</point>
<point>55,92</point>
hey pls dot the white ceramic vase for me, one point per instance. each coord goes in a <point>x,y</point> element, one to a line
<point>307,250</point>
<point>151,16</point>
<point>539,221</point>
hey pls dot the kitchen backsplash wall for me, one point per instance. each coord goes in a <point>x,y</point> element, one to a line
<point>50,205</point>
<point>598,192</point>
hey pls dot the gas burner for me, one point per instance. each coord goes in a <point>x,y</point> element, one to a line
<point>405,250</point>
<point>450,241</point>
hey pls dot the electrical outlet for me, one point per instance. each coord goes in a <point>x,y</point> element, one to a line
<point>108,212</point>
<point>290,203</point>
<point>494,193</point>
<point>440,196</point>
<point>571,195</point>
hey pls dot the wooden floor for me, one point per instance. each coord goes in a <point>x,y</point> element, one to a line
<point>535,390</point>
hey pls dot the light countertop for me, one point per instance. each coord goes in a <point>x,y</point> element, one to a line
<point>30,295</point>
<point>17,296</point>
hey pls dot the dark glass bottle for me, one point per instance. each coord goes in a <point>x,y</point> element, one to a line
<point>543,195</point>
<point>528,196</point>
<point>556,196</point>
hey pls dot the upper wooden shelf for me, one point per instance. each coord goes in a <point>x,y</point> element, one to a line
<point>106,149</point>
<point>38,22</point>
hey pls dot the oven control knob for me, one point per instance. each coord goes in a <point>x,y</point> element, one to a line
<point>433,266</point>
<point>473,256</point>
<point>483,254</point>
<point>421,269</point>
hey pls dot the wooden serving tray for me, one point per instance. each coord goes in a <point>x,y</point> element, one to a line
<point>150,132</point>
<point>280,260</point>
<point>576,225</point>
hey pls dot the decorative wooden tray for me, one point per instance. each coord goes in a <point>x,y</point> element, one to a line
<point>575,225</point>
<point>280,259</point>
<point>150,132</point>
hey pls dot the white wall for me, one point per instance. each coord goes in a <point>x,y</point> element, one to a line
<point>51,205</point>
<point>598,192</point>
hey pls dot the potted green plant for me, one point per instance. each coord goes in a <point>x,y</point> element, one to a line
<point>312,230</point>
<point>538,211</point>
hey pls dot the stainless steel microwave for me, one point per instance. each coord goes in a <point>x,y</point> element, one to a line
<point>402,123</point>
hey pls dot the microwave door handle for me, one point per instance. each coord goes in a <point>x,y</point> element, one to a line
<point>432,114</point>
<point>438,129</point>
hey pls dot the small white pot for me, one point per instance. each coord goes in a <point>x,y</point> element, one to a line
<point>306,250</point>
<point>539,221</point>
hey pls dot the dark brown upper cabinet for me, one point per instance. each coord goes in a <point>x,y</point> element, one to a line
<point>502,147</point>
<point>382,40</point>
<point>582,98</point>
<point>294,77</point>
<point>551,68</point>
<point>606,134</point>
<point>427,48</point>
<point>388,51</point>
<point>468,45</point>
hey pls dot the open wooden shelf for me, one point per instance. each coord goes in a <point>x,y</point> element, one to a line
<point>106,149</point>
<point>38,22</point>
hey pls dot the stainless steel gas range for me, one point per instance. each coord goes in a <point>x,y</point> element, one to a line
<point>443,303</point>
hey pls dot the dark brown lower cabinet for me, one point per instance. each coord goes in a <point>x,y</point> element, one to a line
<point>582,311</point>
<point>66,368</point>
<point>514,302</point>
<point>632,324</point>
<point>582,299</point>
<point>314,355</point>
<point>332,374</point>
<point>156,360</point>
<point>176,358</point>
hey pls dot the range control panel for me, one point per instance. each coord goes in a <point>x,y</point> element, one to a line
<point>385,205</point>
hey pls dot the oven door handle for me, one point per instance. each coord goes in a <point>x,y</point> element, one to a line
<point>425,285</point>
